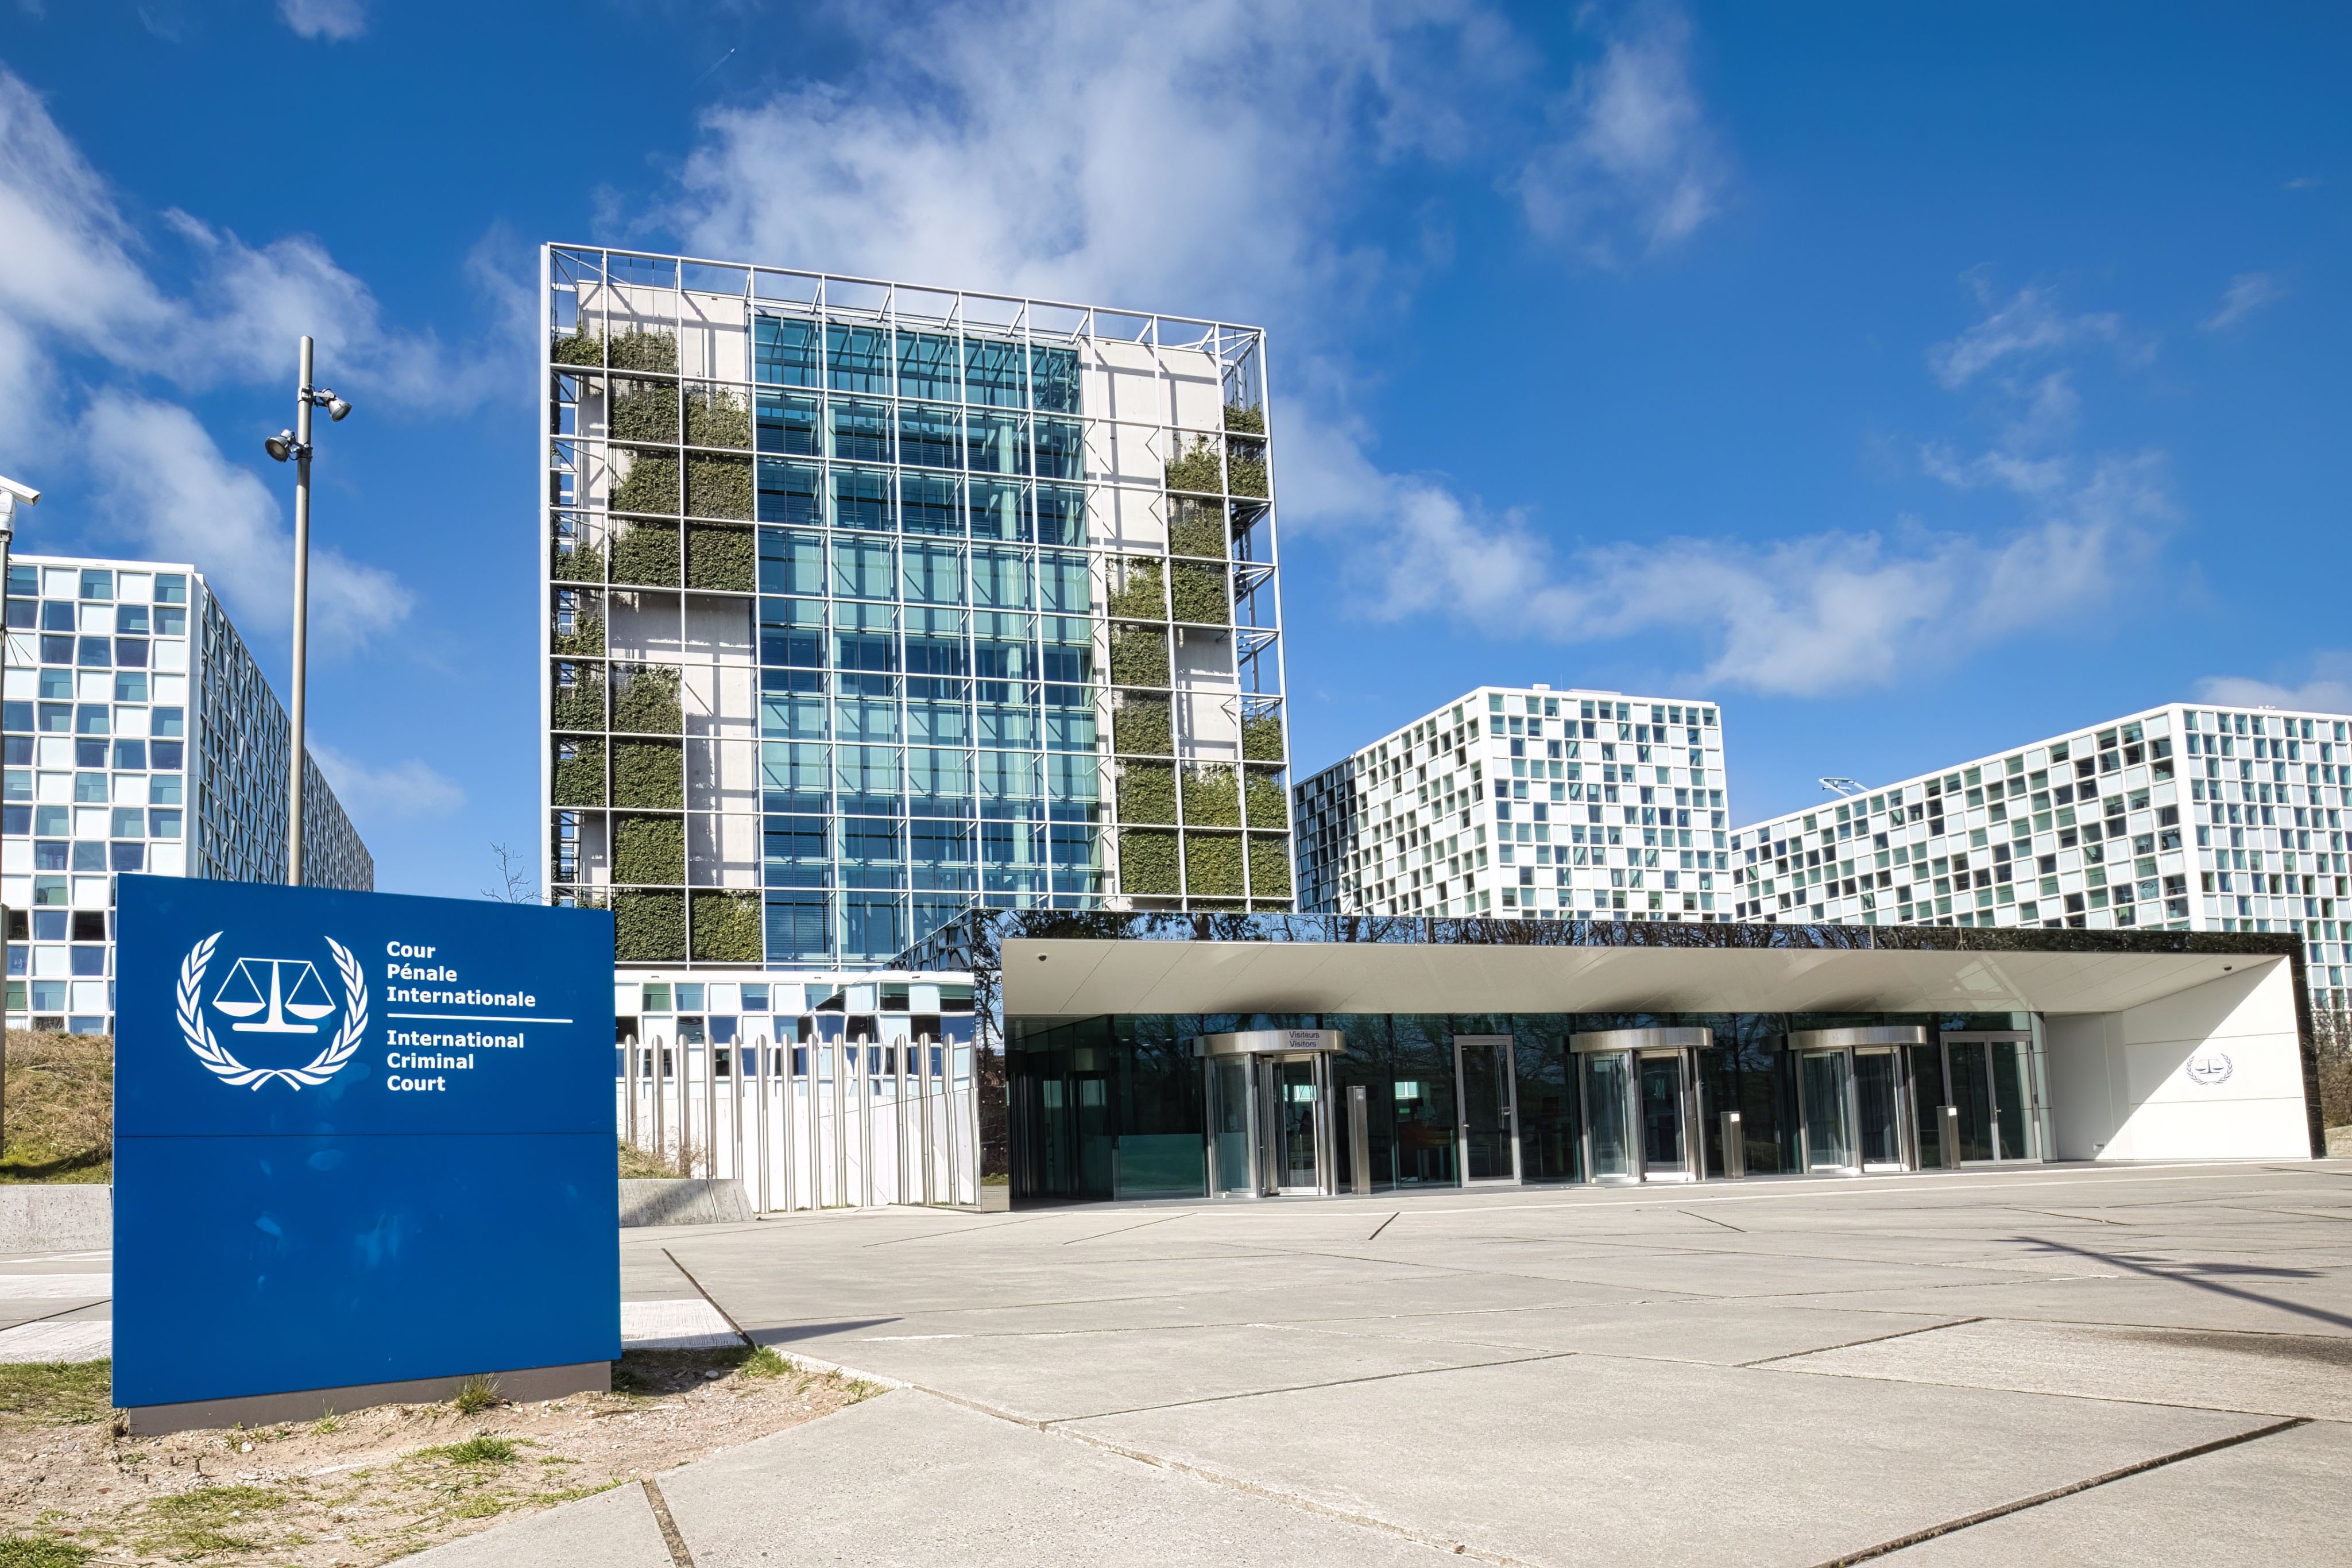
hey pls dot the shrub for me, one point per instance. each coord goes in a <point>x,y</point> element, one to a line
<point>580,773</point>
<point>586,636</point>
<point>1211,797</point>
<point>1213,865</point>
<point>1147,862</point>
<point>1262,738</point>
<point>1142,726</point>
<point>649,774</point>
<point>1245,421</point>
<point>644,411</point>
<point>580,563</point>
<point>578,703</point>
<point>719,558</point>
<point>719,486</point>
<point>1196,469</point>
<point>642,351</point>
<point>645,700</point>
<point>1198,528</point>
<point>579,347</point>
<point>649,927</point>
<point>646,554</point>
<point>1245,475</point>
<point>1269,866</point>
<point>651,486</point>
<point>1138,656</point>
<point>1197,594</point>
<point>1142,599</point>
<point>648,849</point>
<point>716,417</point>
<point>1267,802</point>
<point>727,927</point>
<point>1146,793</point>
<point>477,1395</point>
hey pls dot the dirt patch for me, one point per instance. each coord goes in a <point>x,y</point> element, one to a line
<point>61,1109</point>
<point>359,1489</point>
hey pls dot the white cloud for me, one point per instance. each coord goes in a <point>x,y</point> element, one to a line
<point>166,487</point>
<point>2248,292</point>
<point>405,790</point>
<point>2027,324</point>
<point>336,21</point>
<point>2328,689</point>
<point>1636,156</point>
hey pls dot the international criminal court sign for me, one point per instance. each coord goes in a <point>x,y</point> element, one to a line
<point>363,1149</point>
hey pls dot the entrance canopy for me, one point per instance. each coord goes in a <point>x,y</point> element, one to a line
<point>1078,977</point>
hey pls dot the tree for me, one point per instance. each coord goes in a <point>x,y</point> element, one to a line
<point>516,883</point>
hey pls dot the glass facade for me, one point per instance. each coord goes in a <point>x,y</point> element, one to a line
<point>867,604</point>
<point>116,763</point>
<point>1119,1107</point>
<point>2185,818</point>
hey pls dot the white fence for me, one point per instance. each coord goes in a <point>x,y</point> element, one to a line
<point>823,1124</point>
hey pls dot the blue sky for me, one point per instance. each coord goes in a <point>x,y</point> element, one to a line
<point>1914,381</point>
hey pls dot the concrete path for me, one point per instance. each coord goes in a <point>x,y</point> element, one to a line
<point>2059,1363</point>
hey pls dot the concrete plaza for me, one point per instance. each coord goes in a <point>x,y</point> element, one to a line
<point>2149,1364</point>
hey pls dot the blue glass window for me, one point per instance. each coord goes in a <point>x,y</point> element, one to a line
<point>788,493</point>
<point>935,773</point>
<point>165,720</point>
<point>17,717</point>
<point>790,562</point>
<point>1061,516</point>
<point>1054,379</point>
<point>931,436</point>
<point>1065,583</point>
<point>123,857</point>
<point>795,853</point>
<point>97,584</point>
<point>57,650</point>
<point>795,776</point>
<point>163,790</point>
<point>926,367</point>
<point>48,996</point>
<point>170,622</point>
<point>91,857</point>
<point>1069,728</point>
<point>53,821</point>
<point>25,581</point>
<point>933,574</point>
<point>95,652</point>
<point>992,373</point>
<point>23,615</point>
<point>90,754</point>
<point>51,855</point>
<point>929,503</point>
<point>89,961</point>
<point>861,498</point>
<point>862,568</point>
<point>999,443</point>
<point>92,718</point>
<point>872,927</point>
<point>859,432</point>
<point>17,820</point>
<point>130,754</point>
<point>58,685</point>
<point>788,424</point>
<point>131,685</point>
<point>56,616</point>
<point>858,359</point>
<point>1061,450</point>
<point>798,929</point>
<point>1000,579</point>
<point>163,824</point>
<point>130,619</point>
<point>791,632</point>
<point>785,352</point>
<point>130,823</point>
<point>999,510</point>
<point>166,755</point>
<point>867,777</point>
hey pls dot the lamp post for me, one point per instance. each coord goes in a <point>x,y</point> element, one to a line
<point>295,443</point>
<point>12,495</point>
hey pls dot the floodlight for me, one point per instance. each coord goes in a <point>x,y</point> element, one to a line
<point>337,407</point>
<point>280,445</point>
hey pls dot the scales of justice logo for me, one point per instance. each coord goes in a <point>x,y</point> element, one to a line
<point>268,996</point>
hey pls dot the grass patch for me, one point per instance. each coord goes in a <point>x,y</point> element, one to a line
<point>764,1363</point>
<point>57,1393</point>
<point>478,1449</point>
<point>40,1552</point>
<point>196,1523</point>
<point>638,1165</point>
<point>477,1395</point>
<point>61,1109</point>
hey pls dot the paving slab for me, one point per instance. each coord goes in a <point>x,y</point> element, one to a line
<point>1591,1459</point>
<point>909,1479</point>
<point>2272,1373</point>
<point>615,1529</point>
<point>2276,1500</point>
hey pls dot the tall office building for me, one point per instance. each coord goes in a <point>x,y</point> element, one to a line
<point>1522,802</point>
<point>2187,817</point>
<point>865,603</point>
<point>140,736</point>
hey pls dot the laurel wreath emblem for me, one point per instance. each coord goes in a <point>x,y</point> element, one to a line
<point>223,1064</point>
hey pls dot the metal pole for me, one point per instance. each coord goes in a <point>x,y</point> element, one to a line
<point>302,618</point>
<point>7,536</point>
<point>629,1088</point>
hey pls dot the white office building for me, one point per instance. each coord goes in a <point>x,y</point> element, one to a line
<point>140,736</point>
<point>1523,802</point>
<point>2183,817</point>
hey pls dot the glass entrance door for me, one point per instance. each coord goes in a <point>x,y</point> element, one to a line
<point>1488,1130</point>
<point>1878,1108</point>
<point>1665,1150</point>
<point>1294,1086</point>
<point>1231,1108</point>
<point>1609,1152</point>
<point>1825,1078</point>
<point>1987,1076</point>
<point>1970,1080</point>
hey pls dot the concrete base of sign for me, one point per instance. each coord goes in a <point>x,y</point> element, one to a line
<point>2339,1143</point>
<point>268,1409</point>
<point>63,1218</point>
<point>684,1202</point>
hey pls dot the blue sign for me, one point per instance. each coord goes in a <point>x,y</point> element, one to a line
<point>358,1138</point>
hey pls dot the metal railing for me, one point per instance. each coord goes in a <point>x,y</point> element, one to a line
<point>809,1123</point>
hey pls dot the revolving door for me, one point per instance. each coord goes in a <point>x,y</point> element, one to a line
<point>1641,1103</point>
